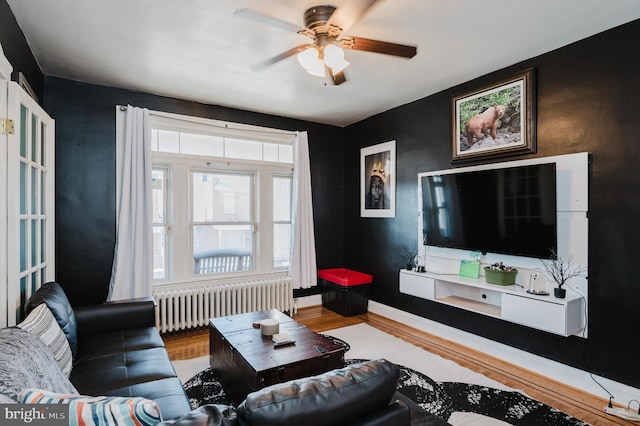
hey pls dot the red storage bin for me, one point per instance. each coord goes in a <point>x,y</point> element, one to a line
<point>345,291</point>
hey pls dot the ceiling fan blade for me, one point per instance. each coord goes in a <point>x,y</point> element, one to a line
<point>394,49</point>
<point>284,55</point>
<point>268,19</point>
<point>350,12</point>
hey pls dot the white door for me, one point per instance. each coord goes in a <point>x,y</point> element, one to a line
<point>27,195</point>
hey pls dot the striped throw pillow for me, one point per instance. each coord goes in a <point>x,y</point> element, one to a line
<point>41,322</point>
<point>99,410</point>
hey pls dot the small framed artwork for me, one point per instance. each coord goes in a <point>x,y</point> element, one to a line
<point>378,180</point>
<point>495,120</point>
<point>22,81</point>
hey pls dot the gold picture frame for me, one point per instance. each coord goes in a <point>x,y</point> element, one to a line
<point>495,120</point>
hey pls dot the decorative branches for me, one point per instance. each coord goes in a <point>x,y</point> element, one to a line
<point>408,253</point>
<point>561,270</point>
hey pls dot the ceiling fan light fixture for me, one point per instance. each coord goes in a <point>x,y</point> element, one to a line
<point>310,61</point>
<point>334,58</point>
<point>324,24</point>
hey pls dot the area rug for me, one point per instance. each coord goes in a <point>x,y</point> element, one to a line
<point>442,387</point>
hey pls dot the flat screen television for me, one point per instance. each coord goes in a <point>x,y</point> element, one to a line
<point>509,210</point>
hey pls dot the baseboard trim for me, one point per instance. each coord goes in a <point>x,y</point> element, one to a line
<point>306,301</point>
<point>543,366</point>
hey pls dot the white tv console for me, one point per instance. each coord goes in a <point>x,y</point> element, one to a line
<point>510,303</point>
<point>441,283</point>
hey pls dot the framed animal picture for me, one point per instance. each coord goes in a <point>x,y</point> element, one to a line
<point>495,120</point>
<point>378,180</point>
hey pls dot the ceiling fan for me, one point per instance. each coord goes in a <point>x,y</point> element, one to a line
<point>325,25</point>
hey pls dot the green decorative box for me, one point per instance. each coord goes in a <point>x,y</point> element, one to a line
<point>469,268</point>
<point>496,276</point>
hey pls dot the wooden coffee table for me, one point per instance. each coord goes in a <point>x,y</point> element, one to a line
<point>246,361</point>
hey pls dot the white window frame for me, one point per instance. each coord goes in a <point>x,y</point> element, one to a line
<point>167,220</point>
<point>253,218</point>
<point>179,167</point>
<point>282,222</point>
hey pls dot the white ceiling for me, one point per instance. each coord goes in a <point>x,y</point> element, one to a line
<point>198,50</point>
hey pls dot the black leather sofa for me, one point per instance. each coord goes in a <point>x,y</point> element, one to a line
<point>117,351</point>
<point>357,395</point>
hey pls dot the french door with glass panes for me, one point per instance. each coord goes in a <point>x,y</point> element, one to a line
<point>26,200</point>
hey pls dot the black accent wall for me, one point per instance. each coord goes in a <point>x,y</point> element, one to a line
<point>85,178</point>
<point>588,96</point>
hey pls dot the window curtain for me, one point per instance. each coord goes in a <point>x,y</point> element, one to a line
<point>132,271</point>
<point>302,267</point>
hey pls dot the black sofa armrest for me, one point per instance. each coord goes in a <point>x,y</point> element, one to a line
<point>113,316</point>
<point>343,396</point>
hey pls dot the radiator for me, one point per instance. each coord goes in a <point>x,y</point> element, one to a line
<point>183,308</point>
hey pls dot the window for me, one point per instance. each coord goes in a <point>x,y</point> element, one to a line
<point>160,223</point>
<point>281,220</point>
<point>222,218</point>
<point>221,199</point>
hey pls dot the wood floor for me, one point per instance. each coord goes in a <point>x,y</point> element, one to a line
<point>586,407</point>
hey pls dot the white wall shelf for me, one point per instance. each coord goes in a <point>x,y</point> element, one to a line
<point>441,282</point>
<point>510,303</point>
